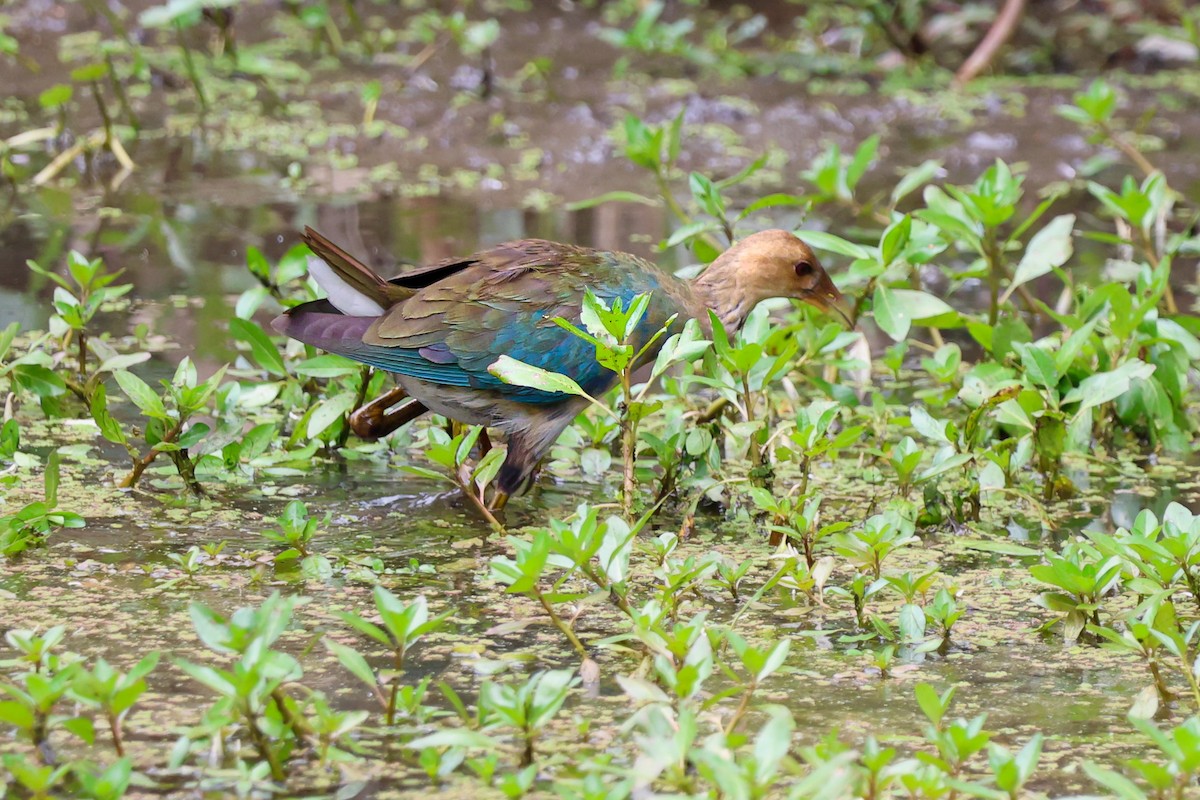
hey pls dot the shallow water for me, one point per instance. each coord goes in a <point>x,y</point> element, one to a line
<point>180,225</point>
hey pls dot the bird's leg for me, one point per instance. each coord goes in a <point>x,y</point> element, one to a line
<point>499,500</point>
<point>373,420</point>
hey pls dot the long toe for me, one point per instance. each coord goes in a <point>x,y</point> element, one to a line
<point>373,421</point>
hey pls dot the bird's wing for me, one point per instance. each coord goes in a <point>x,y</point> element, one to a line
<point>504,303</point>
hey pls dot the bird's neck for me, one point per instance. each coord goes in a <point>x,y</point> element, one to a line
<point>718,289</point>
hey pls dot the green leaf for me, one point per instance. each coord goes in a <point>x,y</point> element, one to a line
<point>455,737</point>
<point>707,195</point>
<point>52,478</point>
<point>896,309</point>
<point>1038,364</point>
<point>6,338</point>
<point>262,349</point>
<point>863,156</point>
<point>915,178</point>
<point>772,201</point>
<point>124,361</point>
<point>690,231</point>
<point>41,381</point>
<point>1115,782</point>
<point>57,95</point>
<point>1001,547</point>
<point>1047,250</point>
<point>932,706</point>
<point>353,661</point>
<point>834,244</point>
<point>138,391</point>
<point>1104,387</point>
<point>329,365</point>
<point>518,373</point>
<point>328,412</point>
<point>613,197</point>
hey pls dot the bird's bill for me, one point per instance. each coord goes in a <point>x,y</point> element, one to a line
<point>830,300</point>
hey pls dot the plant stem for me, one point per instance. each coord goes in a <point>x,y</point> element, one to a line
<point>119,91</point>
<point>114,728</point>
<point>628,448</point>
<point>81,342</point>
<point>741,710</point>
<point>562,626</point>
<point>264,749</point>
<point>617,600</point>
<point>1156,262</point>
<point>140,464</point>
<point>1128,149</point>
<point>190,67</point>
<point>398,666</point>
<point>299,728</point>
<point>992,256</point>
<point>468,490</point>
<point>1007,21</point>
<point>364,383</point>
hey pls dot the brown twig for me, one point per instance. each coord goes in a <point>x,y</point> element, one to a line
<point>1001,31</point>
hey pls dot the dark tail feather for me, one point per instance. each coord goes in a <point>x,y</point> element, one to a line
<point>320,324</point>
<point>354,272</point>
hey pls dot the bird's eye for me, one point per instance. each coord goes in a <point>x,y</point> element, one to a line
<point>804,268</point>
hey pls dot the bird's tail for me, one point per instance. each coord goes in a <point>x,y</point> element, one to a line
<point>353,288</point>
<point>324,325</point>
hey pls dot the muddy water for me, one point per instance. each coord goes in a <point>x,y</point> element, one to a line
<point>180,226</point>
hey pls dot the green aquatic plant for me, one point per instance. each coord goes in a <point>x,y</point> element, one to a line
<point>103,783</point>
<point>528,707</point>
<point>867,548</point>
<point>740,370</point>
<point>1094,108</point>
<point>251,689</point>
<point>1174,769</point>
<point>170,427</point>
<point>586,545</point>
<point>33,694</point>
<point>453,455</point>
<point>1083,577</point>
<point>35,521</point>
<point>76,303</point>
<point>402,626</point>
<point>113,693</point>
<point>295,529</point>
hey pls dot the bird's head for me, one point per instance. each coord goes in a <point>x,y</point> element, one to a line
<point>775,263</point>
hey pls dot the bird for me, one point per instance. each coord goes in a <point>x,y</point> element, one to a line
<point>439,328</point>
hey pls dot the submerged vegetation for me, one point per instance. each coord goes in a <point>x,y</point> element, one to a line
<point>951,552</point>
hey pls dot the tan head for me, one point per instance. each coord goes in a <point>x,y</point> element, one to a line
<point>769,264</point>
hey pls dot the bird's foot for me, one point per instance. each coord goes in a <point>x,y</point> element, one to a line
<point>492,511</point>
<point>374,420</point>
<point>499,501</point>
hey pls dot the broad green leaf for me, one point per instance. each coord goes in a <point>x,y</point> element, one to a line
<point>41,381</point>
<point>896,309</point>
<point>138,391</point>
<point>1047,250</point>
<point>1104,387</point>
<point>1001,547</point>
<point>915,178</point>
<point>328,412</point>
<point>834,244</point>
<point>518,373</point>
<point>262,349</point>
